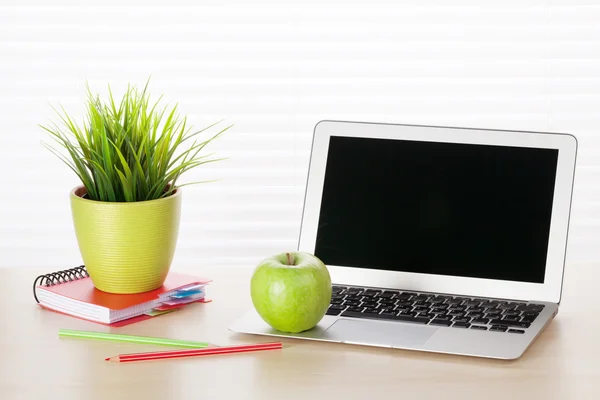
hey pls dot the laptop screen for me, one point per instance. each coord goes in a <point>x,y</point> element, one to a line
<point>465,210</point>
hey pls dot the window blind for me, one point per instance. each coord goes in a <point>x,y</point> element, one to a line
<point>274,69</point>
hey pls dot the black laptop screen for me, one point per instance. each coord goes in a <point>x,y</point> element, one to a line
<point>437,208</point>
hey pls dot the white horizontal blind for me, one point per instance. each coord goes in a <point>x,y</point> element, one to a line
<point>275,69</point>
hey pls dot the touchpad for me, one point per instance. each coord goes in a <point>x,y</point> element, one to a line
<point>379,333</point>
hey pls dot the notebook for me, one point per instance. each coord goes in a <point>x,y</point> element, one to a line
<point>72,292</point>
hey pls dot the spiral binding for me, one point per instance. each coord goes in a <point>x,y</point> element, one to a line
<point>58,277</point>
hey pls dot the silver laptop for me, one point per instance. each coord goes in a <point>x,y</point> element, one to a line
<point>439,239</point>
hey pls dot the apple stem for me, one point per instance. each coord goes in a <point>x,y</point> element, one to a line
<point>289,259</point>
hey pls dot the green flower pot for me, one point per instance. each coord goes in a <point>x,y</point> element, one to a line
<point>127,247</point>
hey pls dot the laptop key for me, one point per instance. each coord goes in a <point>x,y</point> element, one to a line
<point>408,313</point>
<point>461,325</point>
<point>492,314</point>
<point>403,318</point>
<point>481,321</point>
<point>481,328</point>
<point>388,314</point>
<point>475,309</point>
<point>507,306</point>
<point>529,318</point>
<point>462,319</point>
<point>490,304</point>
<point>457,313</point>
<point>438,321</point>
<point>333,311</point>
<point>418,320</point>
<point>530,314</point>
<point>372,292</point>
<point>498,328</point>
<point>516,331</point>
<point>355,309</point>
<point>475,314</point>
<point>535,307</point>
<point>531,308</point>
<point>353,297</point>
<point>388,294</point>
<point>517,324</point>
<point>421,307</point>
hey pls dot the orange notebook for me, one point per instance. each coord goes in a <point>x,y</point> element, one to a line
<point>72,292</point>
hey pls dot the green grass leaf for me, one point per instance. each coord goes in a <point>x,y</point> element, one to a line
<point>129,149</point>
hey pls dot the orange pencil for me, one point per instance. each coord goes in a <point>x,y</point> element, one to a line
<point>194,352</point>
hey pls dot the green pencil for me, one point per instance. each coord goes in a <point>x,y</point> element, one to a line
<point>131,339</point>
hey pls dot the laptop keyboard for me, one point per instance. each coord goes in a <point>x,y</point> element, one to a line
<point>431,309</point>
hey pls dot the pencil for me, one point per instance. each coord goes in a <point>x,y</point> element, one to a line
<point>132,357</point>
<point>132,339</point>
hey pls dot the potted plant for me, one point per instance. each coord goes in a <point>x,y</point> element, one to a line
<point>129,157</point>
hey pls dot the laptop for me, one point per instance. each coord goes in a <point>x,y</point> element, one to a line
<point>438,239</point>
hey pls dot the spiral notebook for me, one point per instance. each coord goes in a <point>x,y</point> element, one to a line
<point>72,292</point>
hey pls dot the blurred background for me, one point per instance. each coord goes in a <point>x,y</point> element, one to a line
<point>274,69</point>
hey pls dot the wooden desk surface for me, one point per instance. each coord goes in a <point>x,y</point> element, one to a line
<point>564,363</point>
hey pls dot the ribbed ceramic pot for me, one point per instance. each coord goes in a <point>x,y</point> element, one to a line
<point>127,247</point>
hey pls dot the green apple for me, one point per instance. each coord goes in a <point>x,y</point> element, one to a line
<point>291,291</point>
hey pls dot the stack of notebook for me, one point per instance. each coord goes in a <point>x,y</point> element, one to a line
<point>72,292</point>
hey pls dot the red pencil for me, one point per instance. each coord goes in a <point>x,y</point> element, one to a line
<point>157,355</point>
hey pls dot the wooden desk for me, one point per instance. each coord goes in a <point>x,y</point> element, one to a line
<point>564,363</point>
